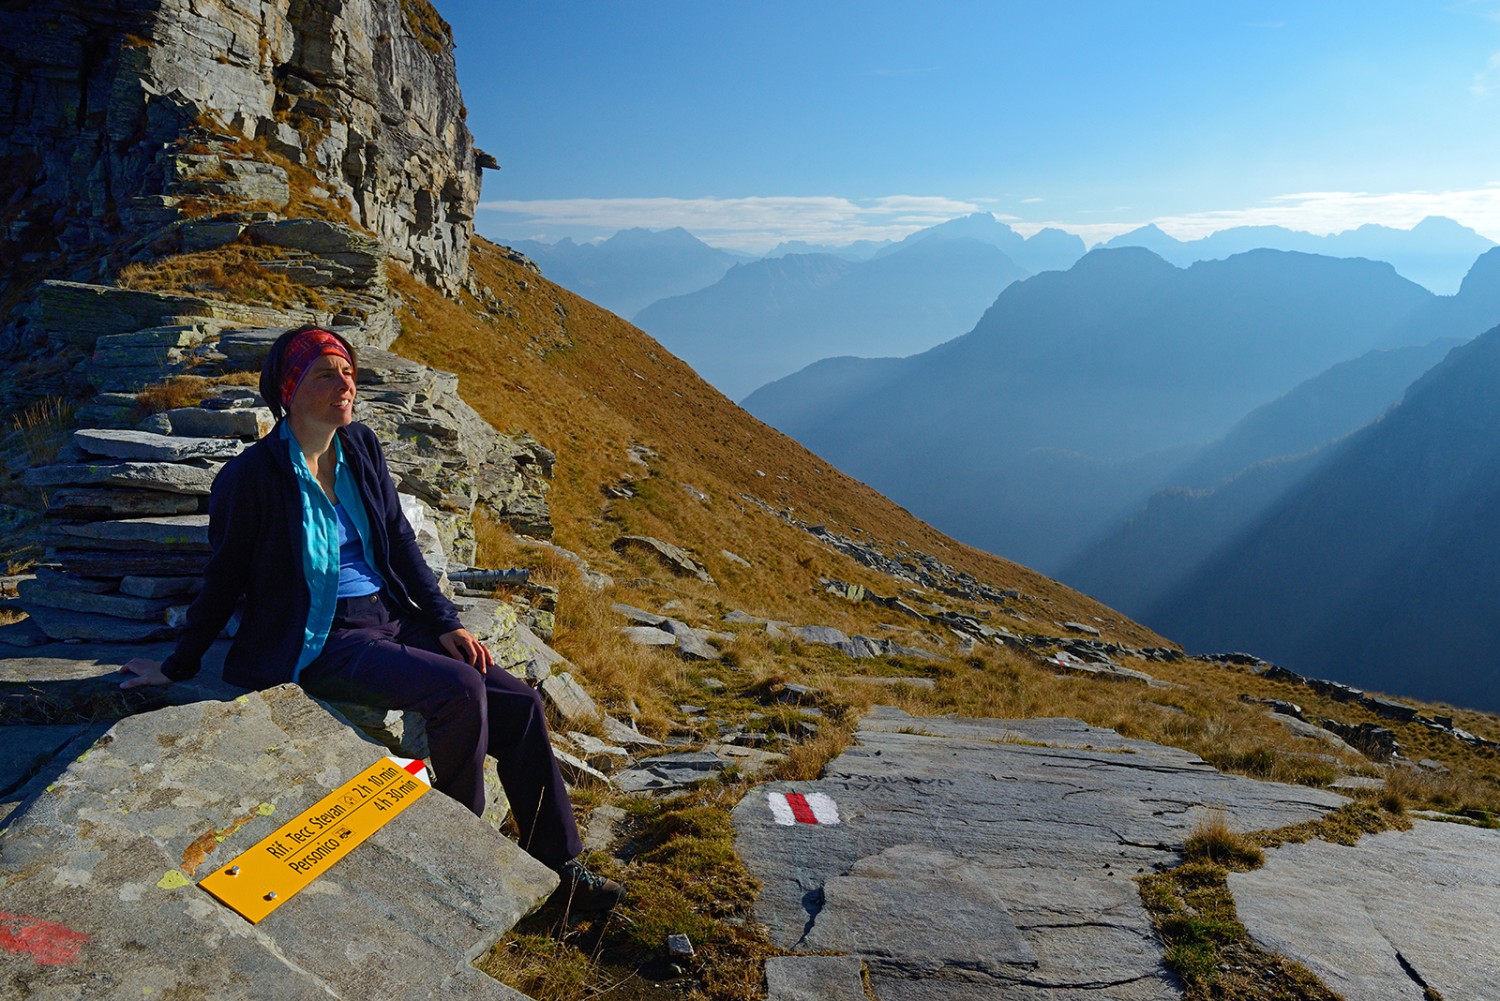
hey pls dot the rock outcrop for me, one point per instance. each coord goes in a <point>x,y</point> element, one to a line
<point>132,122</point>
<point>99,872</point>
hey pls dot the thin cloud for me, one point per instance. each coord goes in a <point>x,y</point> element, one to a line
<point>1486,79</point>
<point>754,224</point>
<point>1325,212</point>
<point>1318,212</point>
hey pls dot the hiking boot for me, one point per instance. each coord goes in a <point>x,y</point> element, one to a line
<point>584,891</point>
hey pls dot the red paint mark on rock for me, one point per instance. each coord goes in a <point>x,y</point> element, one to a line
<point>46,942</point>
<point>800,809</point>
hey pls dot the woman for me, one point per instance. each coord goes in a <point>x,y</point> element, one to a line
<point>309,541</point>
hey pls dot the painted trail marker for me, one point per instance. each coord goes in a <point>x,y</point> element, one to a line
<point>262,879</point>
<point>790,808</point>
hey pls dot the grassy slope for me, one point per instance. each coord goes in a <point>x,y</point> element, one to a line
<point>590,386</point>
<point>534,357</point>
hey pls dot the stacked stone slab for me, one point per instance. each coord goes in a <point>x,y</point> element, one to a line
<point>102,137</point>
<point>128,528</point>
<point>439,449</point>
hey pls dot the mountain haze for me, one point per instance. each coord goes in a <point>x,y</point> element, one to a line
<point>1227,487</point>
<point>1078,391</point>
<point>768,318</point>
<point>633,268</point>
<point>1045,250</point>
<point>1436,252</point>
<point>1208,502</point>
<point>1379,568</point>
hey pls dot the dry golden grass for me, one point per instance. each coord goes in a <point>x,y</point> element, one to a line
<point>186,391</point>
<point>592,388</point>
<point>1214,841</point>
<point>42,427</point>
<point>232,272</point>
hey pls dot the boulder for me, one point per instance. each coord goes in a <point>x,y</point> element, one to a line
<point>250,423</point>
<point>815,978</point>
<point>678,769</point>
<point>58,591</point>
<point>567,696</point>
<point>100,869</point>
<point>638,615</point>
<point>145,445</point>
<point>95,502</point>
<point>692,644</point>
<point>648,636</point>
<point>678,560</point>
<point>184,531</point>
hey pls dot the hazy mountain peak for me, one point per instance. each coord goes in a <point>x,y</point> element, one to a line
<point>639,236</point>
<point>1123,261</point>
<point>1483,278</point>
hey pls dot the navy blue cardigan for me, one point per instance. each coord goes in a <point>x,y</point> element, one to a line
<point>255,530</point>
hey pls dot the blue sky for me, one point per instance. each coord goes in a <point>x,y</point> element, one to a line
<point>830,121</point>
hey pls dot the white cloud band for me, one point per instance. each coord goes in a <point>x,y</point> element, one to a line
<point>757,224</point>
<point>743,223</point>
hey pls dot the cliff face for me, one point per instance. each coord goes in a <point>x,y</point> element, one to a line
<point>118,112</point>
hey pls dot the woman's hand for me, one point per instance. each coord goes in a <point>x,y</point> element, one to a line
<point>143,672</point>
<point>461,645</point>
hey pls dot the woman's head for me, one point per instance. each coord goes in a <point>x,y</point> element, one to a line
<point>291,358</point>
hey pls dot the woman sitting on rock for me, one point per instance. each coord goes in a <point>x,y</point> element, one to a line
<point>306,528</point>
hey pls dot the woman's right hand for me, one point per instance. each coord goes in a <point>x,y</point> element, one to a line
<point>143,672</point>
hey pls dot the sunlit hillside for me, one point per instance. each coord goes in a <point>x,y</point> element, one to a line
<point>644,447</point>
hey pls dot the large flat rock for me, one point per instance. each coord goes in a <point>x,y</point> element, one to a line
<point>100,872</point>
<point>1378,920</point>
<point>982,859</point>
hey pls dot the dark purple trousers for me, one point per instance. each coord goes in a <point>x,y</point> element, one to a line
<point>376,659</point>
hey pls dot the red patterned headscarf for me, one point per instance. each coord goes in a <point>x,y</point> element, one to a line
<point>297,357</point>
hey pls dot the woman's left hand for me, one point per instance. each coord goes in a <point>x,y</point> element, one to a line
<point>461,645</point>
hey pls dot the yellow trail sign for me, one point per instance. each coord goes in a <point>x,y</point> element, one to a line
<point>262,879</point>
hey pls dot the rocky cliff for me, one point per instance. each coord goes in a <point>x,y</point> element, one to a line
<point>129,122</point>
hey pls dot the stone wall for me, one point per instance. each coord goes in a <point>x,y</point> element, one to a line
<point>107,100</point>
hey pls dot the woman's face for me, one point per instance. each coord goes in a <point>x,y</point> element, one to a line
<point>326,393</point>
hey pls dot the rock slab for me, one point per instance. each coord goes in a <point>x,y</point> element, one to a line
<point>99,872</point>
<point>1381,920</point>
<point>978,859</point>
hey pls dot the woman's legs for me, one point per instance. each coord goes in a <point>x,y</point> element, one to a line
<point>375,660</point>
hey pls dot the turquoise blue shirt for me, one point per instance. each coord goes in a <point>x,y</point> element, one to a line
<point>356,577</point>
<point>320,530</point>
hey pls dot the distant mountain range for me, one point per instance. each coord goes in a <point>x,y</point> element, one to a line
<point>1226,488</point>
<point>1081,392</point>
<point>1378,568</point>
<point>766,319</point>
<point>1045,250</point>
<point>1436,253</point>
<point>633,268</point>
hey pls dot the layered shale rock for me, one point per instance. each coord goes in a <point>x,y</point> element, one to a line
<point>130,119</point>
